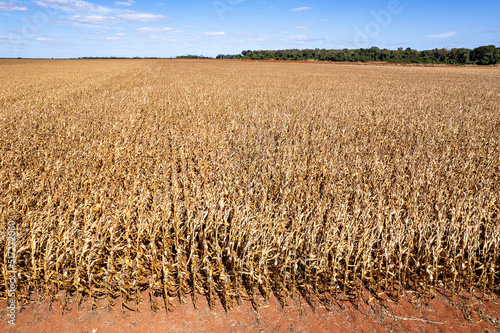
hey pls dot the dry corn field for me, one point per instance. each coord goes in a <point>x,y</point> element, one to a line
<point>237,180</point>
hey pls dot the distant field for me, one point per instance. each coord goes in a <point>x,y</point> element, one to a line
<point>236,180</point>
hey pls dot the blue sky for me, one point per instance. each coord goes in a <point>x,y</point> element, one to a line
<point>164,28</point>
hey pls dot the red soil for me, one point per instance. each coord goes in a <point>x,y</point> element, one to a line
<point>443,313</point>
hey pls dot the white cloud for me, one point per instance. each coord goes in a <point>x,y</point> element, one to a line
<point>96,32</point>
<point>301,27</point>
<point>120,34</point>
<point>303,39</point>
<point>71,5</point>
<point>244,35</point>
<point>443,35</point>
<point>93,19</point>
<point>23,32</point>
<point>140,17</point>
<point>11,6</point>
<point>298,37</point>
<point>115,18</point>
<point>300,9</point>
<point>215,33</point>
<point>118,3</point>
<point>113,38</point>
<point>163,38</point>
<point>6,38</point>
<point>41,39</point>
<point>146,29</point>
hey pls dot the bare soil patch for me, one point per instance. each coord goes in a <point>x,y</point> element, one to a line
<point>442,313</point>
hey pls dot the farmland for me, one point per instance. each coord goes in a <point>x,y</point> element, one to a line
<point>241,180</point>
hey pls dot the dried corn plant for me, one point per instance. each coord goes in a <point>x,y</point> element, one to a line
<point>238,179</point>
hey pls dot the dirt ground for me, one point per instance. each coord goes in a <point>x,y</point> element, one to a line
<point>442,313</point>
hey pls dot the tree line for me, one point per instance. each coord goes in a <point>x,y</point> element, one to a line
<point>192,56</point>
<point>483,55</point>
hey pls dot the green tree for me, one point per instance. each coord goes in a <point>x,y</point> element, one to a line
<point>484,55</point>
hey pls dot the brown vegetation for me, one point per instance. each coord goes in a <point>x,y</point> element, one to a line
<point>239,179</point>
